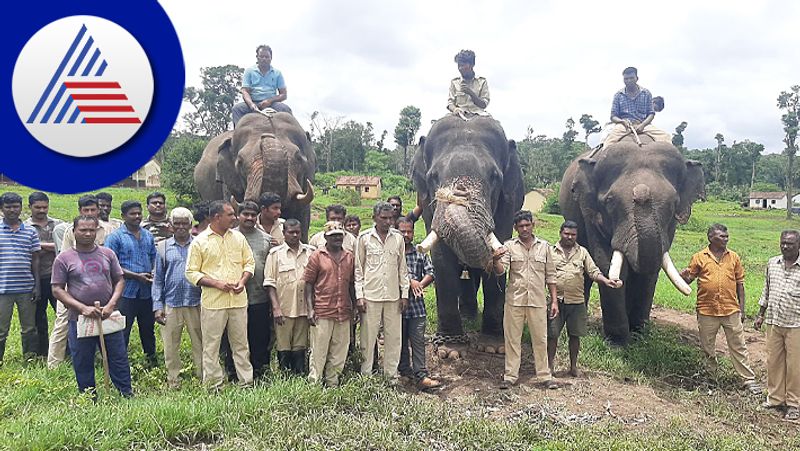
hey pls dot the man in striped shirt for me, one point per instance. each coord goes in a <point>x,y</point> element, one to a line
<point>19,278</point>
<point>176,302</point>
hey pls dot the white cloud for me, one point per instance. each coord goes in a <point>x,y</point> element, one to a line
<point>719,64</point>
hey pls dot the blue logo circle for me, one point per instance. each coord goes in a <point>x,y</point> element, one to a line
<point>78,97</point>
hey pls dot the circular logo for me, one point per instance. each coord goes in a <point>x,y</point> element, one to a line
<point>82,86</point>
<point>90,93</point>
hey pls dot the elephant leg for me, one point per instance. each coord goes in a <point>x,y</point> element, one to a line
<point>639,299</point>
<point>615,315</point>
<point>468,301</point>
<point>491,339</point>
<point>450,341</point>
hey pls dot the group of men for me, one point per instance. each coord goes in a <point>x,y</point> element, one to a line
<point>240,282</point>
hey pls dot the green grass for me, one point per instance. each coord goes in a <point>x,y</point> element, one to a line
<point>41,409</point>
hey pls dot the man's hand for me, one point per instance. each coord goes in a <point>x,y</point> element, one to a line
<point>144,277</point>
<point>416,288</point>
<point>37,293</point>
<point>91,311</point>
<point>253,106</point>
<point>312,318</point>
<point>613,283</point>
<point>468,91</point>
<point>403,304</point>
<point>499,253</point>
<point>278,316</point>
<point>273,242</point>
<point>758,322</point>
<point>361,305</point>
<point>264,104</point>
<point>640,128</point>
<point>161,317</point>
<point>238,287</point>
<point>686,275</point>
<point>553,310</point>
<point>107,310</point>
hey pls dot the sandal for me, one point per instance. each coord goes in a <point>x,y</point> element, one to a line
<point>754,387</point>
<point>792,414</point>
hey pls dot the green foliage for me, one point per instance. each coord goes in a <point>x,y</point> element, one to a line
<point>406,131</point>
<point>544,159</point>
<point>213,102</point>
<point>677,137</point>
<point>377,162</point>
<point>346,197</point>
<point>181,154</point>
<point>551,203</point>
<point>715,190</point>
<point>766,187</point>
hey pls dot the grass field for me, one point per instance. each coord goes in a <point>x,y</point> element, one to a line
<point>41,409</point>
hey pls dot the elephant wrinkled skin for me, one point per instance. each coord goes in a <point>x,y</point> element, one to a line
<point>264,153</point>
<point>627,201</point>
<point>469,180</point>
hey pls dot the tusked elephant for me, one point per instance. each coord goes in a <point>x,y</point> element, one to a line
<point>627,201</point>
<point>266,152</point>
<point>469,180</point>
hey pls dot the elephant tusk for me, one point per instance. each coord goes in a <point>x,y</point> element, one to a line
<point>674,275</point>
<point>616,265</point>
<point>426,244</point>
<point>494,243</point>
<point>308,196</point>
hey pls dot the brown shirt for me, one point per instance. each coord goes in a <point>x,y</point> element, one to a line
<point>529,272</point>
<point>570,270</point>
<point>332,282</point>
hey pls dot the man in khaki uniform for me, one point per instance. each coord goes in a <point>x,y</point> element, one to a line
<point>530,266</point>
<point>335,213</point>
<point>283,280</point>
<point>469,94</point>
<point>381,289</point>
<point>87,206</point>
<point>572,261</point>
<point>221,262</point>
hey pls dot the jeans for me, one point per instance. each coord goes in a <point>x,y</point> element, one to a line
<point>412,351</point>
<point>83,354</point>
<point>241,109</point>
<point>140,310</point>
<point>46,298</point>
<point>259,332</point>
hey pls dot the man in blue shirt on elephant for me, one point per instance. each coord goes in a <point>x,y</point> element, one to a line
<point>262,87</point>
<point>632,111</point>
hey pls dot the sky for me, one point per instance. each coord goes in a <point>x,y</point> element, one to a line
<point>720,65</point>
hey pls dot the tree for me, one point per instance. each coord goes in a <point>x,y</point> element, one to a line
<point>406,129</point>
<point>790,101</point>
<point>323,128</point>
<point>677,138</point>
<point>753,151</point>
<point>718,156</point>
<point>590,126</point>
<point>213,102</point>
<point>181,153</point>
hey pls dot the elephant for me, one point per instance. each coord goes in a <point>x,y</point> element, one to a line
<point>468,178</point>
<point>627,200</point>
<point>266,152</point>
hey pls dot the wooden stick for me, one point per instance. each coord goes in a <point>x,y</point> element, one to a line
<point>103,351</point>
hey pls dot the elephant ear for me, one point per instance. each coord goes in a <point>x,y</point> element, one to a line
<point>512,194</point>
<point>226,168</point>
<point>419,172</point>
<point>693,189</point>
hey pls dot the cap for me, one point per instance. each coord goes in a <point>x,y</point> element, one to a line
<point>333,227</point>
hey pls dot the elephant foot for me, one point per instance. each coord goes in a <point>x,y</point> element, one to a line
<point>450,347</point>
<point>490,345</point>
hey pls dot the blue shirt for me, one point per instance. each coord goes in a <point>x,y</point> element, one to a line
<point>170,285</point>
<point>637,108</point>
<point>419,266</point>
<point>135,256</point>
<point>262,87</point>
<point>16,253</point>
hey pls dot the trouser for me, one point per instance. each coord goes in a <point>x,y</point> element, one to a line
<point>412,351</point>
<point>140,310</point>
<point>57,349</point>
<point>176,319</point>
<point>783,365</point>
<point>292,335</point>
<point>241,108</point>
<point>514,319</point>
<point>619,131</point>
<point>708,326</point>
<point>329,341</point>
<point>46,298</point>
<point>26,308</point>
<point>214,322</point>
<point>259,331</point>
<point>389,311</point>
<point>83,355</point>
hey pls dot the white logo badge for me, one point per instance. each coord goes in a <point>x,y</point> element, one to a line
<point>82,86</point>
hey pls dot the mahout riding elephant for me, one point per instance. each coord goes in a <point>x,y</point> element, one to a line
<point>627,201</point>
<point>266,152</point>
<point>469,180</point>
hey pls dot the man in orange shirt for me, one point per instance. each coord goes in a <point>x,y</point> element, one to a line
<point>720,301</point>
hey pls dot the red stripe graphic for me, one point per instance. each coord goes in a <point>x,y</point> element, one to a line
<point>112,120</point>
<point>105,108</point>
<point>92,84</point>
<point>99,97</point>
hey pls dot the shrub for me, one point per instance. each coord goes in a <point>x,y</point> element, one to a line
<point>346,197</point>
<point>551,203</point>
<point>181,154</point>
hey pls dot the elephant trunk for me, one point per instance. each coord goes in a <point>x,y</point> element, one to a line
<point>647,240</point>
<point>268,169</point>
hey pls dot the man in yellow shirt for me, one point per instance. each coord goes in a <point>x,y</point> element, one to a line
<point>720,301</point>
<point>221,262</point>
